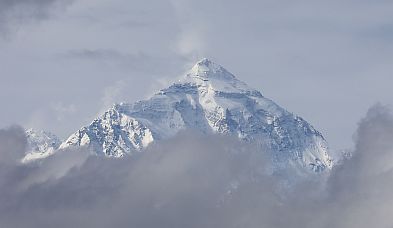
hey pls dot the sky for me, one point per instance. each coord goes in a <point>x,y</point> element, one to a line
<point>62,62</point>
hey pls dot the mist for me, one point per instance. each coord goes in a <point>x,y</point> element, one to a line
<point>198,181</point>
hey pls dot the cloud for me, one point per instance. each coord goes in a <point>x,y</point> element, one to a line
<point>361,189</point>
<point>16,12</point>
<point>13,144</point>
<point>192,38</point>
<point>97,54</point>
<point>63,110</point>
<point>112,95</point>
<point>201,181</point>
<point>53,115</point>
<point>139,62</point>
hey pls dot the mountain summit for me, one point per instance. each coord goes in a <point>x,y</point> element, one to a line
<point>211,100</point>
<point>208,69</point>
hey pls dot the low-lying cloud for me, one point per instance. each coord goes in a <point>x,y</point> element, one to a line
<point>198,181</point>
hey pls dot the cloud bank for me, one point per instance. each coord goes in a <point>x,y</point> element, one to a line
<point>197,181</point>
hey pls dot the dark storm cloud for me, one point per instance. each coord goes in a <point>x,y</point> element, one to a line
<point>199,181</point>
<point>16,12</point>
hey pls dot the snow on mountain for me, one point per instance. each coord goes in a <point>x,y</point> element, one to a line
<point>208,99</point>
<point>40,144</point>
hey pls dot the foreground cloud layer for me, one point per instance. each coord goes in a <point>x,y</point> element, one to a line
<point>197,181</point>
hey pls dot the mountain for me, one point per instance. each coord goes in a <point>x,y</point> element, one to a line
<point>211,100</point>
<point>40,144</point>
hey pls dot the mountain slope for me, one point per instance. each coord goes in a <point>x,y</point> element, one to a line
<point>40,144</point>
<point>208,99</point>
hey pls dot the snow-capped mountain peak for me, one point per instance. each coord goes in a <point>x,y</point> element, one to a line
<point>40,144</point>
<point>211,100</point>
<point>206,69</point>
<point>208,75</point>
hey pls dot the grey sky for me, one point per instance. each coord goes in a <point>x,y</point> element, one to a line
<point>62,62</point>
